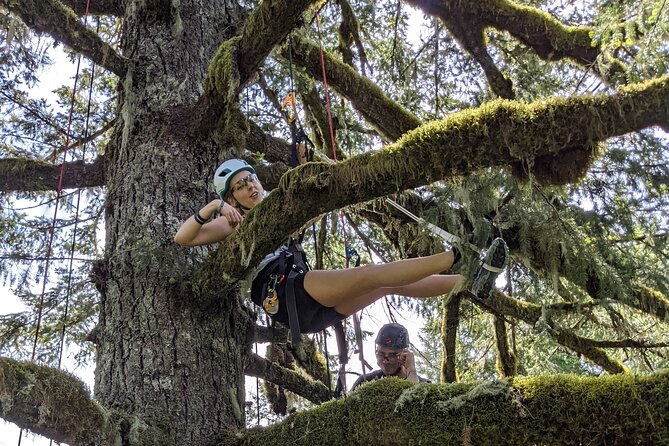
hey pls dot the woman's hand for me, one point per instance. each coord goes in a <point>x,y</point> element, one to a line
<point>230,213</point>
<point>196,233</point>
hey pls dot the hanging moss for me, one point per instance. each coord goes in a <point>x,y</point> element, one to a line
<point>651,301</point>
<point>223,73</point>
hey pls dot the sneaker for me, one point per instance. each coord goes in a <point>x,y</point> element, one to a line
<point>492,264</point>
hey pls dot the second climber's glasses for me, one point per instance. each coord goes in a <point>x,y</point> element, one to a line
<point>387,356</point>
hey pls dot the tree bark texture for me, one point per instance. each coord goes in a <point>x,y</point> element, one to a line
<point>173,358</point>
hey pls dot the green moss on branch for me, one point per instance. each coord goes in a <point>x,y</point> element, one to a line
<point>618,410</point>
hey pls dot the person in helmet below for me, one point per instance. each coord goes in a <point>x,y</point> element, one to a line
<point>322,297</point>
<point>392,356</point>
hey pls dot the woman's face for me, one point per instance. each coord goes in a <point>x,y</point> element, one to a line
<point>246,189</point>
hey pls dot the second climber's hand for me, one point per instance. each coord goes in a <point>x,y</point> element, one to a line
<point>407,360</point>
<point>231,214</point>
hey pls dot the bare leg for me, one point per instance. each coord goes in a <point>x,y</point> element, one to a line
<point>334,287</point>
<point>430,286</point>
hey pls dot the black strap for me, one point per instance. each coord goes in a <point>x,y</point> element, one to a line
<point>294,255</point>
<point>291,307</point>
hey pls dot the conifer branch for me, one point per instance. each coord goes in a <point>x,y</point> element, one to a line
<point>61,23</point>
<point>547,36</point>
<point>389,118</point>
<point>18,174</point>
<point>237,59</point>
<point>502,133</point>
<point>259,367</point>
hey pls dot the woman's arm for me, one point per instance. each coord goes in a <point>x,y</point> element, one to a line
<point>192,233</point>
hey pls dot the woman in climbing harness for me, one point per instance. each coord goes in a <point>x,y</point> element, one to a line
<point>321,297</point>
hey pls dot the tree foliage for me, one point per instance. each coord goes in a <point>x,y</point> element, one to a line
<point>543,122</point>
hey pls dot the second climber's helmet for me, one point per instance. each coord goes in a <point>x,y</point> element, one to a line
<point>226,171</point>
<point>393,336</point>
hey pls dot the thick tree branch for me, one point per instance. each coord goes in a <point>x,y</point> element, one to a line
<point>96,7</point>
<point>238,58</point>
<point>524,412</point>
<point>313,391</point>
<point>390,119</point>
<point>60,22</point>
<point>52,403</point>
<point>275,149</point>
<point>18,174</point>
<point>546,35</point>
<point>497,134</point>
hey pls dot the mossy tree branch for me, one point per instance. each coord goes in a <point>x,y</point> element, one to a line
<point>547,36</point>
<point>18,174</point>
<point>550,246</point>
<point>96,7</point>
<point>349,35</point>
<point>313,391</point>
<point>523,412</point>
<point>387,117</point>
<point>52,403</point>
<point>469,30</point>
<point>237,59</point>
<point>496,134</point>
<point>506,359</point>
<point>63,24</point>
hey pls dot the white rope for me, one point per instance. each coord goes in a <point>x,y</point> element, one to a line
<point>436,230</point>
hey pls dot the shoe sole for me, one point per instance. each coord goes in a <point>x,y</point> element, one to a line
<point>484,279</point>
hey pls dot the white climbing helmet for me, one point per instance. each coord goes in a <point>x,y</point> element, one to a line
<point>226,171</point>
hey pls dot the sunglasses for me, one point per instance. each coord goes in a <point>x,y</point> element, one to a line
<point>242,183</point>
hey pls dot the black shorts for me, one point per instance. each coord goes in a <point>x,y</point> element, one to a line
<point>312,316</point>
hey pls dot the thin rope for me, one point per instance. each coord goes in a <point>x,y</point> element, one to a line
<point>55,214</point>
<point>257,392</point>
<point>68,292</point>
<point>40,307</point>
<point>325,83</point>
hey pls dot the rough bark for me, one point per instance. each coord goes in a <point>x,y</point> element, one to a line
<point>165,354</point>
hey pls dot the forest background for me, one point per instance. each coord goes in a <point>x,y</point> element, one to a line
<point>528,121</point>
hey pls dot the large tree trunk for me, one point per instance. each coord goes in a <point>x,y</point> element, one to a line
<point>165,353</point>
